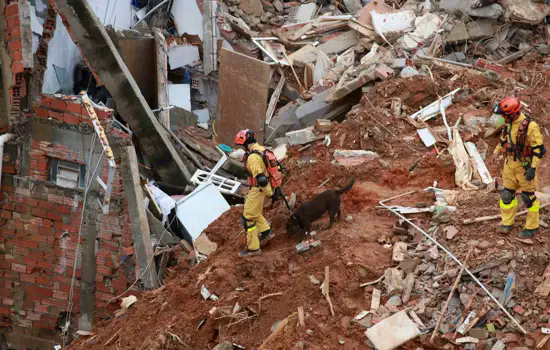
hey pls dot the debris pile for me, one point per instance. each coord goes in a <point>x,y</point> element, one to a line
<point>399,95</point>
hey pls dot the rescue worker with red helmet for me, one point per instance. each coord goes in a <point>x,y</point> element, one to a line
<point>256,226</point>
<point>522,145</point>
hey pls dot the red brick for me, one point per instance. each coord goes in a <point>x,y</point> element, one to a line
<point>38,292</point>
<point>45,265</point>
<point>46,231</point>
<point>14,25</point>
<point>41,309</point>
<point>17,55</point>
<point>15,45</point>
<point>54,216</point>
<point>71,119</point>
<point>4,310</point>
<point>54,103</point>
<point>39,212</point>
<point>63,210</point>
<point>23,209</point>
<point>17,67</point>
<point>18,268</point>
<point>41,113</point>
<point>60,295</point>
<point>55,115</point>
<point>11,10</point>
<point>75,108</point>
<point>27,278</point>
<point>33,316</point>
<point>46,205</point>
<point>29,261</point>
<point>42,325</point>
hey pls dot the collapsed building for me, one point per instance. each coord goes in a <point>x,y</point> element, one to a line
<point>106,191</point>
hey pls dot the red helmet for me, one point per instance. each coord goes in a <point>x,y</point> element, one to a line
<point>245,137</point>
<point>509,106</point>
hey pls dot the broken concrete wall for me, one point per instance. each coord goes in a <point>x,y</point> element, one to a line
<point>242,99</point>
<point>40,232</point>
<point>103,59</point>
<point>18,41</point>
<point>65,55</point>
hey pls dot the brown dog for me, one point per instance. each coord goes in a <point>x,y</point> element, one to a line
<point>300,221</point>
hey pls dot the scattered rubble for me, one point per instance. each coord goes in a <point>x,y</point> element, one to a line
<point>399,95</point>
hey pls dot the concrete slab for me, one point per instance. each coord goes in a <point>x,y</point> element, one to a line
<point>308,54</point>
<point>303,136</point>
<point>393,24</point>
<point>524,11</point>
<point>305,12</point>
<point>285,115</point>
<point>494,11</point>
<point>392,332</point>
<point>314,109</point>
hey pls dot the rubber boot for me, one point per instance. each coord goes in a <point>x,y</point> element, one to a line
<point>247,253</point>
<point>504,229</point>
<point>266,236</point>
<point>526,233</point>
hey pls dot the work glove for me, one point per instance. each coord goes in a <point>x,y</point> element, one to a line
<point>530,174</point>
<point>277,194</point>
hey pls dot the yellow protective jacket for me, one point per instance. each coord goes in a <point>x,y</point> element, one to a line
<point>255,165</point>
<point>533,140</point>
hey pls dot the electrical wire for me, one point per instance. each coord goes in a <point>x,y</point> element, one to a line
<point>146,268</point>
<point>89,182</point>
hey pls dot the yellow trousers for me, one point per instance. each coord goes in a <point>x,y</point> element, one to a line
<point>513,176</point>
<point>256,222</point>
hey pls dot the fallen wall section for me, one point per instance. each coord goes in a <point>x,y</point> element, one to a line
<point>103,59</point>
<point>242,96</point>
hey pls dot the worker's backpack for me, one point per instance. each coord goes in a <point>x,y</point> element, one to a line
<point>274,168</point>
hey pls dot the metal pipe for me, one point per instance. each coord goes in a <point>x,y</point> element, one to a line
<point>453,257</point>
<point>148,13</point>
<point>465,65</point>
<point>3,139</point>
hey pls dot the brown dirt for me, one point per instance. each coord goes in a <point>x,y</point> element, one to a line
<point>350,249</point>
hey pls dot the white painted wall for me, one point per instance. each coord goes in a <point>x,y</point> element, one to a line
<point>65,54</point>
<point>116,13</point>
<point>62,52</point>
<point>188,17</point>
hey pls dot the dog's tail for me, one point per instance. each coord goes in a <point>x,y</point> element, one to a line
<point>347,187</point>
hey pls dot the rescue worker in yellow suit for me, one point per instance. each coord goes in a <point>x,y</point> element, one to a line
<point>521,142</point>
<point>256,226</point>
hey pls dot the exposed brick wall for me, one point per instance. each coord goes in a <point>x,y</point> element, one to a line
<point>39,225</point>
<point>41,55</point>
<point>15,48</point>
<point>66,24</point>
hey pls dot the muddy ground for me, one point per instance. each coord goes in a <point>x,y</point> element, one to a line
<point>176,317</point>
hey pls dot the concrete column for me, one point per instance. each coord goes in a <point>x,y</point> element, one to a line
<point>89,265</point>
<point>162,77</point>
<point>104,60</point>
<point>138,218</point>
<point>210,41</point>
